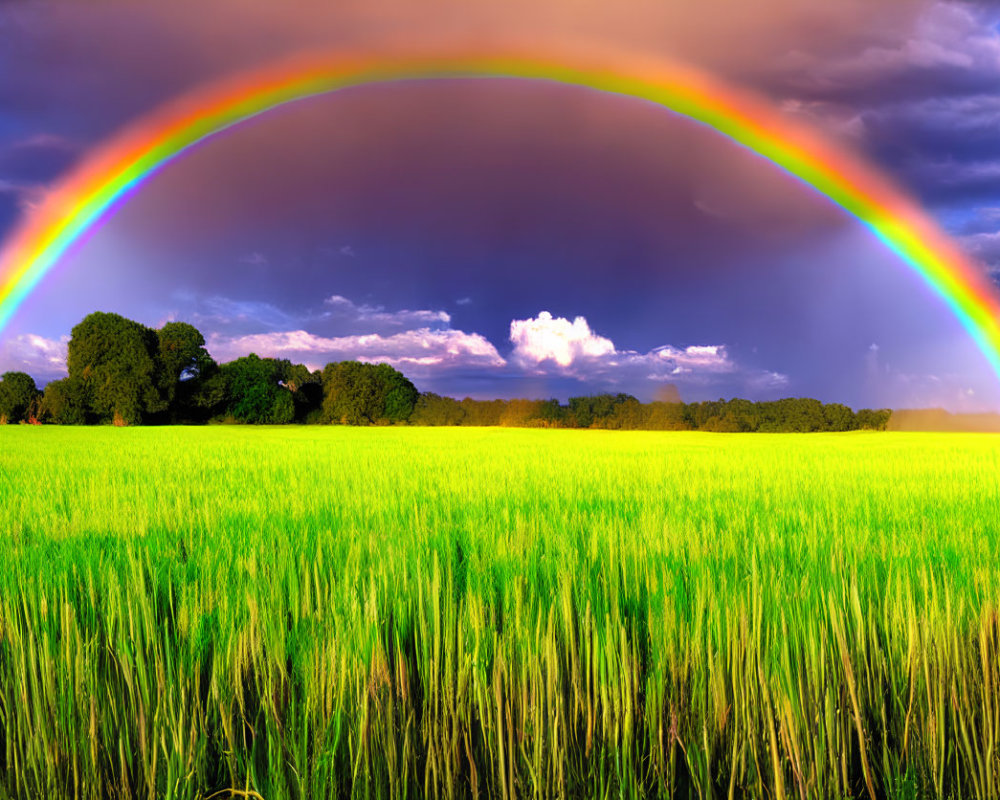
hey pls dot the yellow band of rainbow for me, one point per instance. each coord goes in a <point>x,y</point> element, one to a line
<point>107,177</point>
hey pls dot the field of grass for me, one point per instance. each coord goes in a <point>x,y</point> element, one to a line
<point>417,612</point>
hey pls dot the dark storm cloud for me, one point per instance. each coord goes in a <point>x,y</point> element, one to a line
<point>946,149</point>
<point>951,49</point>
<point>923,101</point>
<point>94,66</point>
<point>957,127</point>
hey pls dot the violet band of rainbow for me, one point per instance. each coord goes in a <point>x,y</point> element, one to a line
<point>106,178</point>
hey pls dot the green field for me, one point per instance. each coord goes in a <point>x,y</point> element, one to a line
<point>406,612</point>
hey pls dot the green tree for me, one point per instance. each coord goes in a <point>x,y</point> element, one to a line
<point>870,420</point>
<point>254,393</point>
<point>728,422</point>
<point>200,397</point>
<point>182,357</point>
<point>116,362</point>
<point>698,414</point>
<point>400,394</point>
<point>810,416</point>
<point>664,416</point>
<point>350,393</point>
<point>628,414</point>
<point>581,411</point>
<point>601,411</point>
<point>298,375</point>
<point>746,414</point>
<point>307,391</point>
<point>355,393</point>
<point>522,413</point>
<point>432,409</point>
<point>482,413</point>
<point>794,415</point>
<point>839,417</point>
<point>64,402</point>
<point>552,413</point>
<point>18,393</point>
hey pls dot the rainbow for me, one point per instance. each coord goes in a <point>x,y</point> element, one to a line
<point>107,177</point>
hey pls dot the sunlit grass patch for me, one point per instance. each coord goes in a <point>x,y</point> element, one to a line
<point>390,612</point>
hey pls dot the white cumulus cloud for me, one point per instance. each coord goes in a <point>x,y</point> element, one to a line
<point>548,338</point>
<point>417,352</point>
<point>556,346</point>
<point>42,358</point>
<point>546,344</point>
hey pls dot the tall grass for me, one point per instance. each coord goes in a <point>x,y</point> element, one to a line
<point>310,613</point>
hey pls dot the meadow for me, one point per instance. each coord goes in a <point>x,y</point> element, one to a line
<point>312,612</point>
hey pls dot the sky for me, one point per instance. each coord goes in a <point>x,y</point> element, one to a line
<point>510,238</point>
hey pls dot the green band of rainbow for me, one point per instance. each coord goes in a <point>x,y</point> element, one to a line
<point>108,176</point>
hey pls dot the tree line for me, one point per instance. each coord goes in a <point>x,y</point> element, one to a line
<point>121,372</point>
<point>624,412</point>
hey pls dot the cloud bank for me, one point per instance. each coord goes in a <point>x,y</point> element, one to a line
<point>543,347</point>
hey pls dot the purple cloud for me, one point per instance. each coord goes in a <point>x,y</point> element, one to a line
<point>340,307</point>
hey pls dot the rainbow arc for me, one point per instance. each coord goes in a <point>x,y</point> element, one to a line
<point>105,179</point>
